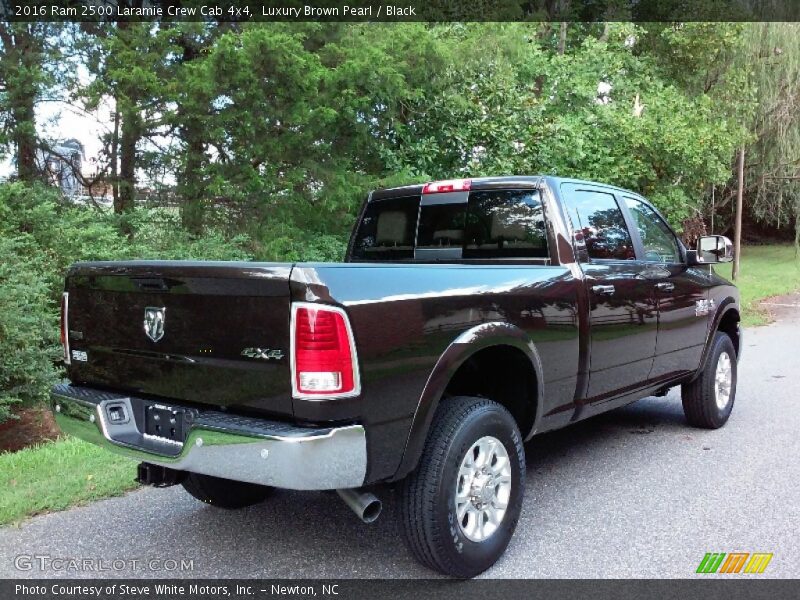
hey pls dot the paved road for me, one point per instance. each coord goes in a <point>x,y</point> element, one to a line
<point>633,493</point>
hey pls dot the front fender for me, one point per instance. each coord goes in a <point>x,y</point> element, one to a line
<point>459,351</point>
<point>726,306</point>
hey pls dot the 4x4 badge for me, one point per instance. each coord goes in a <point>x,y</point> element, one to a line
<point>262,353</point>
<point>703,307</point>
<point>154,322</point>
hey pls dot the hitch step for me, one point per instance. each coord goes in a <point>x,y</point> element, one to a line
<point>158,476</point>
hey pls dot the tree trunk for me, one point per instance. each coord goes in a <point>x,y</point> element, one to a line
<point>606,31</point>
<point>737,232</point>
<point>562,38</point>
<point>191,185</point>
<point>24,137</point>
<point>127,123</point>
<point>131,131</point>
<point>25,54</point>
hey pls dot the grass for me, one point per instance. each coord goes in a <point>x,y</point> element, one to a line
<point>58,475</point>
<point>765,271</point>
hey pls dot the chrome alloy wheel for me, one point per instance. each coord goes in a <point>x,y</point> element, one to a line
<point>483,488</point>
<point>723,380</point>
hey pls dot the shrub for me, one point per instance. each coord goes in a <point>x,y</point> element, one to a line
<point>28,326</point>
<point>40,236</point>
<point>299,246</point>
<point>157,234</point>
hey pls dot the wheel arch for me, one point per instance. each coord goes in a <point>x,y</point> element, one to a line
<point>729,323</point>
<point>727,319</point>
<point>479,342</point>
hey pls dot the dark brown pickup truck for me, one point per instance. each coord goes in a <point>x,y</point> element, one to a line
<point>469,316</point>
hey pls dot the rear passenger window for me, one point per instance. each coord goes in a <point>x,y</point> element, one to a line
<point>387,230</point>
<point>598,219</point>
<point>505,224</point>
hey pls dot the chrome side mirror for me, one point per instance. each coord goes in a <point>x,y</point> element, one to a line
<point>714,249</point>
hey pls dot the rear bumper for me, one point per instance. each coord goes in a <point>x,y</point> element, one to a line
<point>240,448</point>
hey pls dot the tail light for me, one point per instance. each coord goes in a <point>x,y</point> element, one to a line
<point>65,325</point>
<point>448,185</point>
<point>324,362</point>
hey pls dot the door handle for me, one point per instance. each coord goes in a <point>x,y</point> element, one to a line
<point>665,286</point>
<point>606,290</point>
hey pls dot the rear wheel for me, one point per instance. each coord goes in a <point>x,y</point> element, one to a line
<point>461,506</point>
<point>224,493</point>
<point>708,400</point>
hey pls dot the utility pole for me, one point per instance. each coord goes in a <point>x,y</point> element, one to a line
<point>737,230</point>
<point>713,207</point>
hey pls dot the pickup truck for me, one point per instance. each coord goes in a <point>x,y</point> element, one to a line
<point>468,316</point>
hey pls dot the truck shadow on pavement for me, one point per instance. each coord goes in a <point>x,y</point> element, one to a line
<point>296,534</point>
<point>645,416</point>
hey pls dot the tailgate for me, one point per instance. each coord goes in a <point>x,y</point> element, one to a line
<point>210,333</point>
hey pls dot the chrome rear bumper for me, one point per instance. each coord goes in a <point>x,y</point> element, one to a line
<point>240,448</point>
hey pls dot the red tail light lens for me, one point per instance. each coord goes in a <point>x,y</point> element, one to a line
<point>448,185</point>
<point>65,325</point>
<point>323,352</point>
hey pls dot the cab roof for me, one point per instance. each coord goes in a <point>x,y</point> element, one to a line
<point>489,183</point>
<point>477,183</point>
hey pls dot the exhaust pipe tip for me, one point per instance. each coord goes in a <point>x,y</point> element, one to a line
<point>372,511</point>
<point>365,505</point>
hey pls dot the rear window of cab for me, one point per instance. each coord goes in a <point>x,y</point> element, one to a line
<point>475,225</point>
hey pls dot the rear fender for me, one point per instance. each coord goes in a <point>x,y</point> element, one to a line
<point>462,348</point>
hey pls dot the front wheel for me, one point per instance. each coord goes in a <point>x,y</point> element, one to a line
<point>461,506</point>
<point>708,400</point>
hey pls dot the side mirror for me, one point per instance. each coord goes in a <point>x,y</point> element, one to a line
<point>712,249</point>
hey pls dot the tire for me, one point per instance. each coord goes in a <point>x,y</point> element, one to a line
<point>429,504</point>
<point>224,493</point>
<point>700,397</point>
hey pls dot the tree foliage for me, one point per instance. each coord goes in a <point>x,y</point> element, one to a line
<point>516,106</point>
<point>275,130</point>
<point>127,61</point>
<point>773,156</point>
<point>30,61</point>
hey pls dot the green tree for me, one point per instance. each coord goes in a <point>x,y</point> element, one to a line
<point>30,54</point>
<point>303,117</point>
<point>193,90</point>
<point>128,62</point>
<point>773,157</point>
<point>608,108</point>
